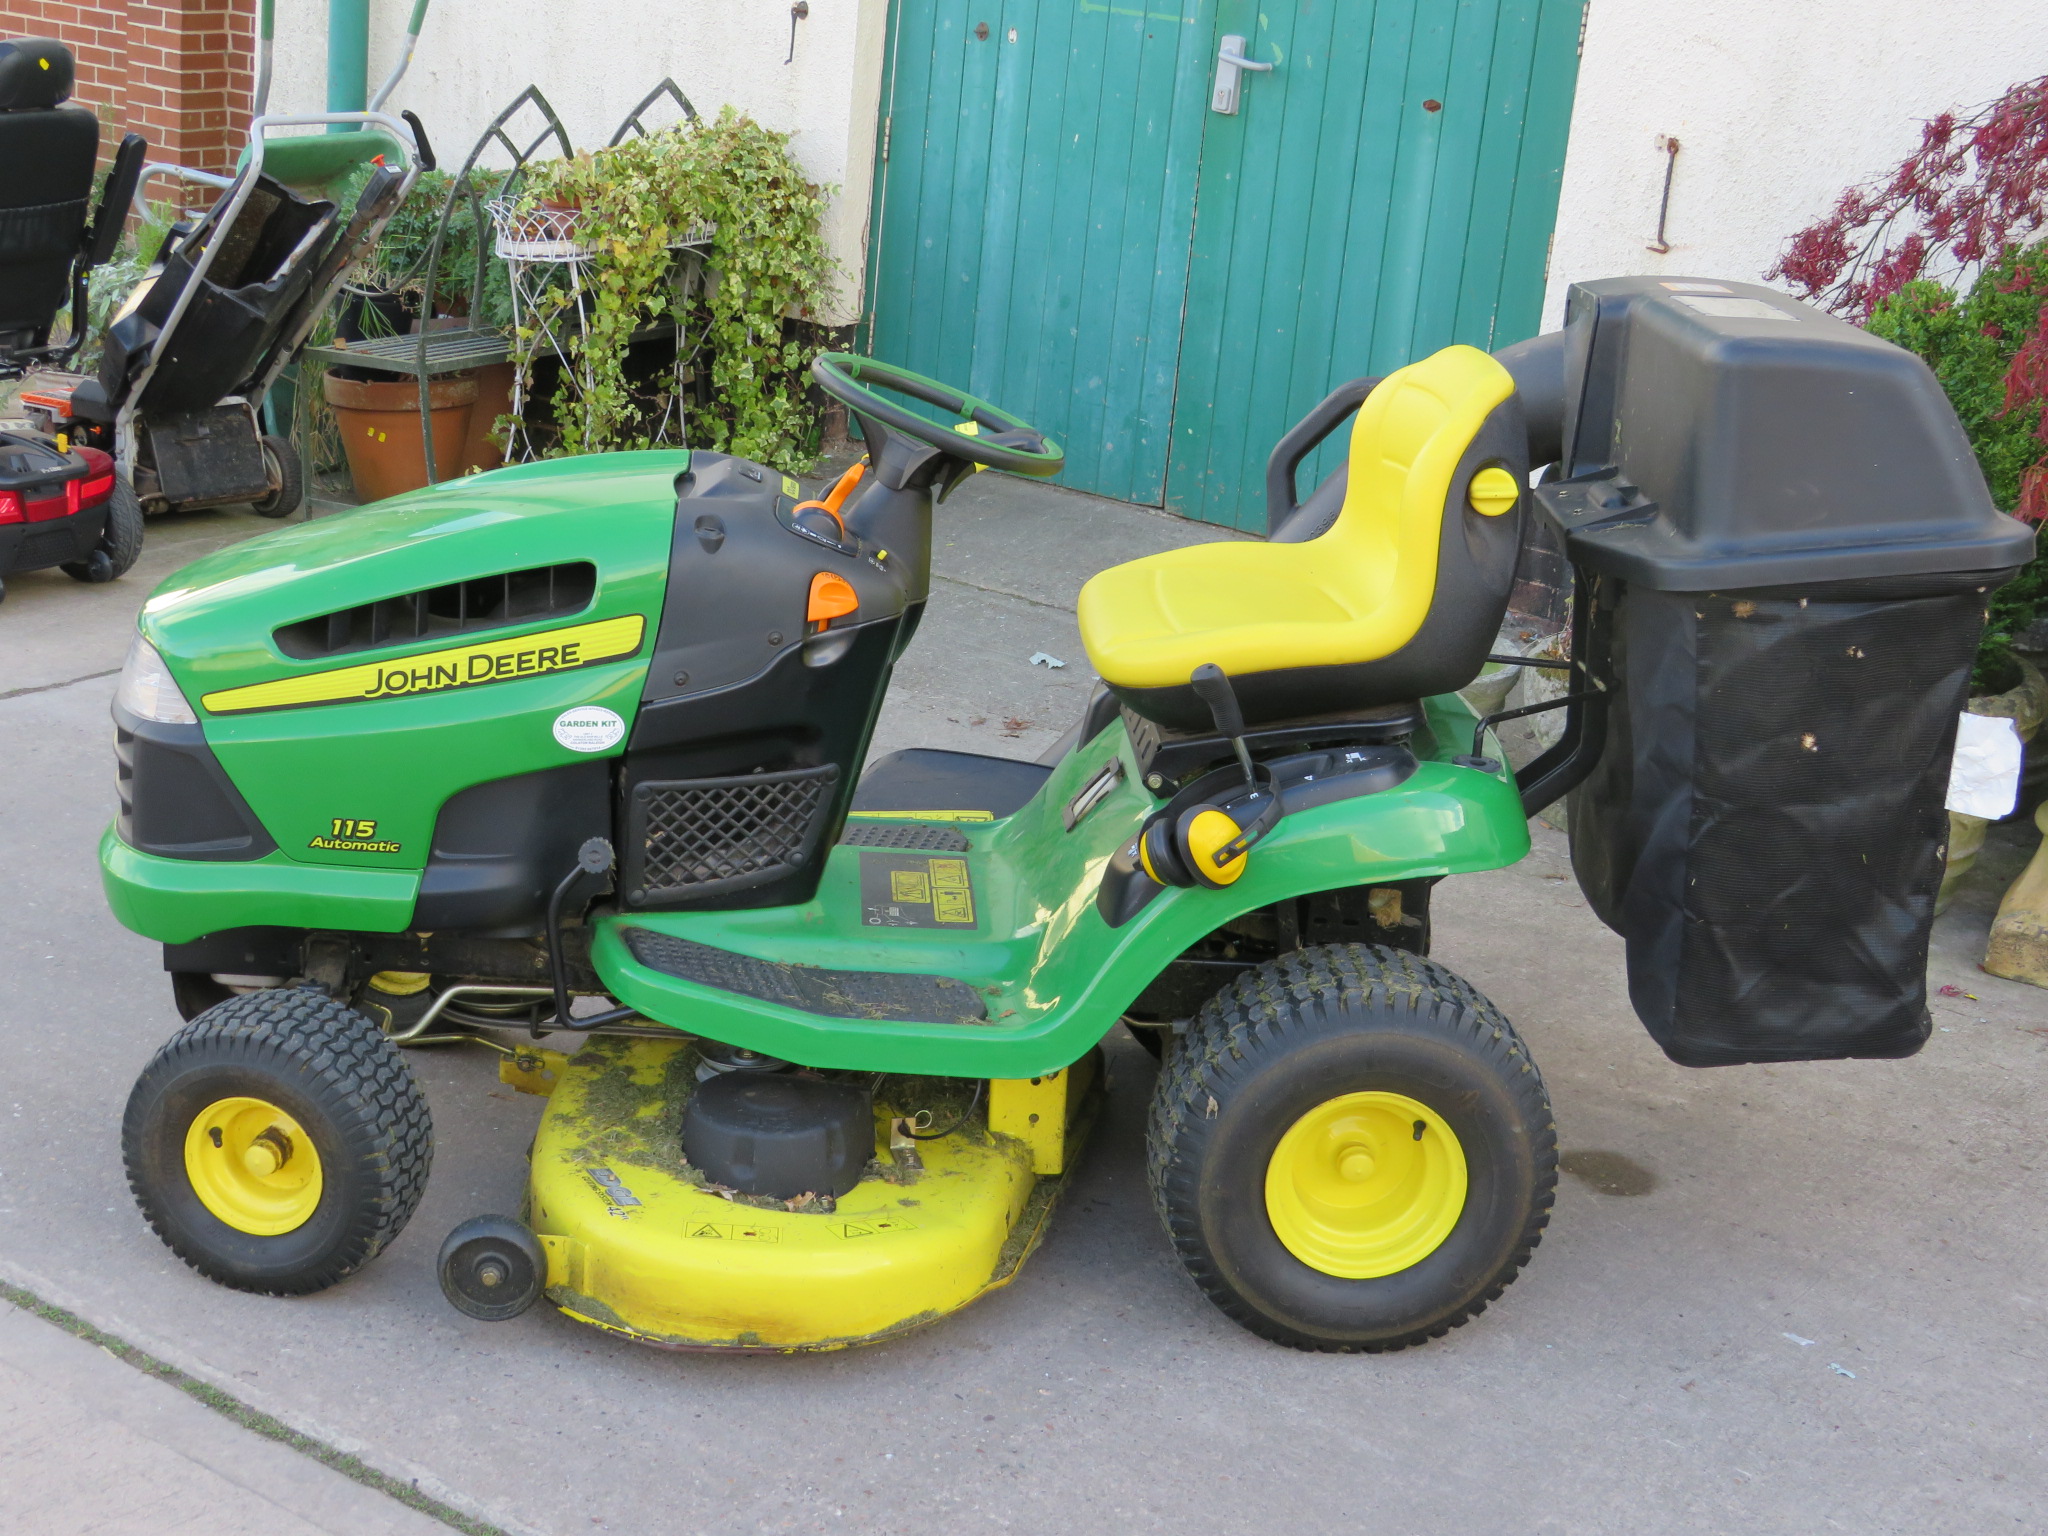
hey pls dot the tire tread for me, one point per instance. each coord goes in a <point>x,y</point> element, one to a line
<point>344,1054</point>
<point>1297,994</point>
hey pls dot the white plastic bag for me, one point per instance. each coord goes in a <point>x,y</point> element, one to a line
<point>1985,778</point>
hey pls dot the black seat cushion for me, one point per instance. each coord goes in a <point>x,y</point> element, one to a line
<point>929,780</point>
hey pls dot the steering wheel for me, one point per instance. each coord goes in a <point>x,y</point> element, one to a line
<point>984,434</point>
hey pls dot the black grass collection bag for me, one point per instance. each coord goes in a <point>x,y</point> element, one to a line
<point>1766,829</point>
<point>1786,546</point>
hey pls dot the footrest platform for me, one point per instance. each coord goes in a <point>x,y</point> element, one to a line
<point>893,995</point>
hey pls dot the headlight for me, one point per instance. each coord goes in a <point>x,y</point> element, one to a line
<point>147,689</point>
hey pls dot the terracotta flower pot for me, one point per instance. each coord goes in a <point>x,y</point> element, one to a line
<point>493,399</point>
<point>380,430</point>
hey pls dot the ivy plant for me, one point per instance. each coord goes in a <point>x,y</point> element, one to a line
<point>634,205</point>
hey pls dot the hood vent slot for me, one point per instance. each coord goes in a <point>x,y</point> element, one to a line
<point>485,602</point>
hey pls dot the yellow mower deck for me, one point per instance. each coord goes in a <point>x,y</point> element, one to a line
<point>638,1245</point>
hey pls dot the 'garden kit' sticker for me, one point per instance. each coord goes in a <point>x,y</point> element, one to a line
<point>589,728</point>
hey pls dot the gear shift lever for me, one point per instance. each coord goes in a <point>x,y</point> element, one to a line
<point>1213,688</point>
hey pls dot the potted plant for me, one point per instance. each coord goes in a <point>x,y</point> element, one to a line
<point>377,412</point>
<point>637,214</point>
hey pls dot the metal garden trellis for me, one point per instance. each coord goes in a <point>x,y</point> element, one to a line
<point>537,258</point>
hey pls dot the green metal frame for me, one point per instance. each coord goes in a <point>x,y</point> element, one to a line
<point>1054,975</point>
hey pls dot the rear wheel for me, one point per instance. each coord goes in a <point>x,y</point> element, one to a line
<point>120,546</point>
<point>1351,1150</point>
<point>278,1142</point>
<point>287,484</point>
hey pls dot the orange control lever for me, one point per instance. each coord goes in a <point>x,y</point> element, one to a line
<point>836,497</point>
<point>832,597</point>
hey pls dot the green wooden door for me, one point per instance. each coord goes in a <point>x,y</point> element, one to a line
<point>1386,190</point>
<point>1065,227</point>
<point>1035,202</point>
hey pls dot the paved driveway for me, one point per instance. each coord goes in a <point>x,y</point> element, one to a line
<point>1820,1309</point>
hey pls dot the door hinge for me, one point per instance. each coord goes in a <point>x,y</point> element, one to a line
<point>888,126</point>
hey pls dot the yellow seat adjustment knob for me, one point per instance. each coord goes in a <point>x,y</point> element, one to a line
<point>1493,491</point>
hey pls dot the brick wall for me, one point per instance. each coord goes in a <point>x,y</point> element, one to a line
<point>180,72</point>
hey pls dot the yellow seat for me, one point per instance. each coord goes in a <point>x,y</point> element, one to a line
<point>1399,599</point>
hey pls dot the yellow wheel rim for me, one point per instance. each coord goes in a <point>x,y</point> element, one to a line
<point>1366,1184</point>
<point>253,1166</point>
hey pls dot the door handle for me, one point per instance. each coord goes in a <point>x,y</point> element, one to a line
<point>1230,63</point>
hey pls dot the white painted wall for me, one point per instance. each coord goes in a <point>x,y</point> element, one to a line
<point>594,63</point>
<point>1777,106</point>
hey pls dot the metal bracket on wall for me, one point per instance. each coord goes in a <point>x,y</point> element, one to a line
<point>799,12</point>
<point>1669,146</point>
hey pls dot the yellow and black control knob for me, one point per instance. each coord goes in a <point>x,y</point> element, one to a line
<point>1493,491</point>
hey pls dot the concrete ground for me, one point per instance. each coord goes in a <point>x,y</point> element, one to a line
<point>1793,1299</point>
<point>157,1462</point>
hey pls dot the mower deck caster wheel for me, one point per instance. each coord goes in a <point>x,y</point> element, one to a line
<point>1351,1150</point>
<point>492,1268</point>
<point>278,1142</point>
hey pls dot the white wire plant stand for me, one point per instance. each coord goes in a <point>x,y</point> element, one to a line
<point>548,266</point>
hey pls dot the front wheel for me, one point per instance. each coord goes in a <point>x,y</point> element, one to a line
<point>1351,1150</point>
<point>278,1142</point>
<point>287,484</point>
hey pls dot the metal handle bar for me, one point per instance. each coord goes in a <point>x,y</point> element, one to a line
<point>181,173</point>
<point>224,218</point>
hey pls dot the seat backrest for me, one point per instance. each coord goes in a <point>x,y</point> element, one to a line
<point>47,152</point>
<point>1413,436</point>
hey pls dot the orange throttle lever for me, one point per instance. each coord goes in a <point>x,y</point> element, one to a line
<point>832,597</point>
<point>836,497</point>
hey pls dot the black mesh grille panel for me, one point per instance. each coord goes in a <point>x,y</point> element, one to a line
<point>923,838</point>
<point>124,777</point>
<point>690,838</point>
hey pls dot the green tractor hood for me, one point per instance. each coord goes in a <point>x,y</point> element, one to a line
<point>351,675</point>
<point>217,621</point>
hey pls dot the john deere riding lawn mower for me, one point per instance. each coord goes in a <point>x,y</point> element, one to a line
<point>581,748</point>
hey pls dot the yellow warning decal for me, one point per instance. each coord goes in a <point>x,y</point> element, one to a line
<point>914,890</point>
<point>462,666</point>
<point>869,1226</point>
<point>733,1232</point>
<point>921,815</point>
